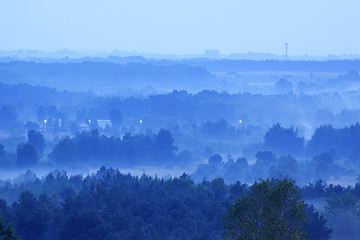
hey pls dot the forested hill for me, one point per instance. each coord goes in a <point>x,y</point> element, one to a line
<point>96,75</point>
<point>28,94</point>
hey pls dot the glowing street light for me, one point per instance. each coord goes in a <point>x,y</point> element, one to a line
<point>45,121</point>
<point>240,121</point>
<point>140,121</point>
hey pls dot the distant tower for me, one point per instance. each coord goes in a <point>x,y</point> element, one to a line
<point>286,52</point>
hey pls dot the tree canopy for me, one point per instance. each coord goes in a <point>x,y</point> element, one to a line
<point>7,232</point>
<point>273,209</point>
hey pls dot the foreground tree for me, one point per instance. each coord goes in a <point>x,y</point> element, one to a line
<point>271,210</point>
<point>7,232</point>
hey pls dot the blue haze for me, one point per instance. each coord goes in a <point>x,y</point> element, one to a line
<point>182,27</point>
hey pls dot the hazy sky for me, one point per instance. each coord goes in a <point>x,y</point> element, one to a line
<point>313,27</point>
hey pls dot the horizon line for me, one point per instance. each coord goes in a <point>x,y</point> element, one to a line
<point>210,54</point>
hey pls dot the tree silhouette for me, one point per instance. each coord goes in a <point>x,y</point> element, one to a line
<point>284,140</point>
<point>164,145</point>
<point>26,155</point>
<point>36,139</point>
<point>2,153</point>
<point>64,152</point>
<point>116,117</point>
<point>316,226</point>
<point>31,218</point>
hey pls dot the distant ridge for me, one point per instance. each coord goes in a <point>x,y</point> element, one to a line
<point>28,54</point>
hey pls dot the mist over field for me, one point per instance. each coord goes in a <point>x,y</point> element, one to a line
<point>179,120</point>
<point>233,121</point>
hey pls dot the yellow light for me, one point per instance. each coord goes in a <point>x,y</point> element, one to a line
<point>140,121</point>
<point>240,121</point>
<point>89,121</point>
<point>45,121</point>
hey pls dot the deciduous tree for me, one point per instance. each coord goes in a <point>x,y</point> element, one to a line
<point>273,209</point>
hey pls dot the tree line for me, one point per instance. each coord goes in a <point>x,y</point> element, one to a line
<point>112,205</point>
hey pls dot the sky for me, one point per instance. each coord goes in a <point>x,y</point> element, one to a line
<point>311,27</point>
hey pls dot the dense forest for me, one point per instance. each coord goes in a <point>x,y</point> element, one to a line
<point>109,204</point>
